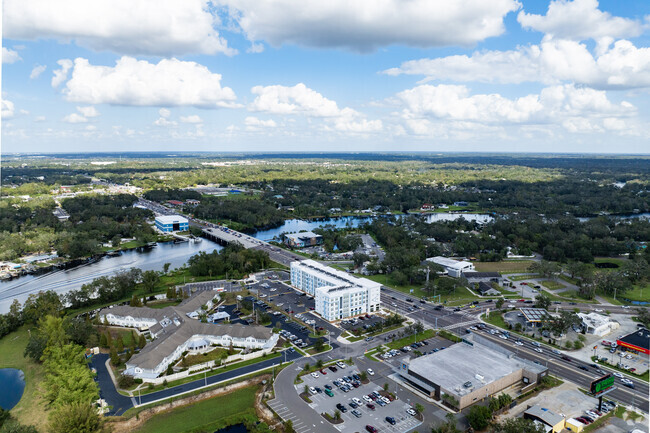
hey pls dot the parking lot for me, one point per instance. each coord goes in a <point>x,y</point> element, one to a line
<point>375,415</point>
<point>432,345</point>
<point>292,302</point>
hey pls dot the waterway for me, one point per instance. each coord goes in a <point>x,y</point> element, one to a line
<point>13,386</point>
<point>237,428</point>
<point>449,216</point>
<point>62,281</point>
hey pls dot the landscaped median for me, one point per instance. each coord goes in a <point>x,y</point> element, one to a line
<point>415,338</point>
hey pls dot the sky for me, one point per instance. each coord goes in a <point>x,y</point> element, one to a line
<point>337,75</point>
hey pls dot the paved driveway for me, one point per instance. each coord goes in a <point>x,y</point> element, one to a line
<point>118,402</point>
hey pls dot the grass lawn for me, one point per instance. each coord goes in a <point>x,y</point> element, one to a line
<point>552,285</point>
<point>638,293</point>
<point>397,344</point>
<point>125,334</point>
<point>459,297</point>
<point>214,355</point>
<point>162,304</point>
<point>523,277</point>
<point>206,415</point>
<point>506,266</point>
<point>31,407</point>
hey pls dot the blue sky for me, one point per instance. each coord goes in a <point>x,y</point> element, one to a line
<point>281,75</point>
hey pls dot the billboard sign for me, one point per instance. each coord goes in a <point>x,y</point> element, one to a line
<point>601,385</point>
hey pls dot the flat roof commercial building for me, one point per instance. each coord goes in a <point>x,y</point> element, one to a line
<point>454,268</point>
<point>338,295</point>
<point>172,223</point>
<point>549,419</point>
<point>597,324</point>
<point>303,239</point>
<point>467,372</point>
<point>638,341</point>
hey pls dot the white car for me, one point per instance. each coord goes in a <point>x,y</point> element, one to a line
<point>511,305</point>
<point>357,401</point>
<point>312,389</point>
<point>262,295</point>
<point>370,372</point>
<point>273,289</point>
<point>519,343</point>
<point>598,310</point>
<point>503,336</point>
<point>367,399</point>
<point>626,382</point>
<point>314,375</point>
<point>411,412</point>
<point>619,375</point>
<point>627,307</point>
<point>628,356</point>
<point>280,304</point>
<point>339,364</point>
<point>537,349</point>
<point>386,400</point>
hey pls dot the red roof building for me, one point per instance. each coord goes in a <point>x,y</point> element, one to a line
<point>638,340</point>
<point>175,202</point>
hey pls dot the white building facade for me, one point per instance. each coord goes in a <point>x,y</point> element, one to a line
<point>454,268</point>
<point>337,294</point>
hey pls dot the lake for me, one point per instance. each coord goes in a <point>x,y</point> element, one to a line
<point>13,386</point>
<point>296,225</point>
<point>236,428</point>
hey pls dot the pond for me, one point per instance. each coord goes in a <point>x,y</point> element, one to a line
<point>236,428</point>
<point>13,386</point>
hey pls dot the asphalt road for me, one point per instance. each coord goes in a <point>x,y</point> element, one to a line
<point>120,403</point>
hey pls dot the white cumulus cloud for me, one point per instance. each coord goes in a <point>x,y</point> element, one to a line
<point>170,82</point>
<point>254,123</point>
<point>300,99</point>
<point>37,71</point>
<point>7,109</point>
<point>619,65</point>
<point>163,28</point>
<point>88,111</point>
<point>576,109</point>
<point>75,118</point>
<point>579,20</point>
<point>60,75</point>
<point>9,56</point>
<point>164,113</point>
<point>194,118</point>
<point>364,25</point>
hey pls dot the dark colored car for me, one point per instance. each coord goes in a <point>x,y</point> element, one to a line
<point>566,358</point>
<point>340,407</point>
<point>370,406</point>
<point>371,429</point>
<point>333,369</point>
<point>582,367</point>
<point>390,420</point>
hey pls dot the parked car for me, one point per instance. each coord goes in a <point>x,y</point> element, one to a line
<point>390,420</point>
<point>371,429</point>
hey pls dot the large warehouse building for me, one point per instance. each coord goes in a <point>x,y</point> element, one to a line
<point>468,372</point>
<point>172,223</point>
<point>337,294</point>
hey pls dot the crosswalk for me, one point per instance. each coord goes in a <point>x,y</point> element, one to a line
<point>462,324</point>
<point>286,414</point>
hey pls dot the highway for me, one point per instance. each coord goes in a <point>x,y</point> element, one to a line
<point>225,235</point>
<point>459,321</point>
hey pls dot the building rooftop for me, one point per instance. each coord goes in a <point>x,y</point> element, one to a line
<point>170,219</point>
<point>594,320</point>
<point>449,263</point>
<point>639,338</point>
<point>472,274</point>
<point>533,314</point>
<point>154,353</point>
<point>548,417</point>
<point>475,364</point>
<point>336,278</point>
<point>303,235</point>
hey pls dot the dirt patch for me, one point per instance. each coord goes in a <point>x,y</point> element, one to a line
<point>127,426</point>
